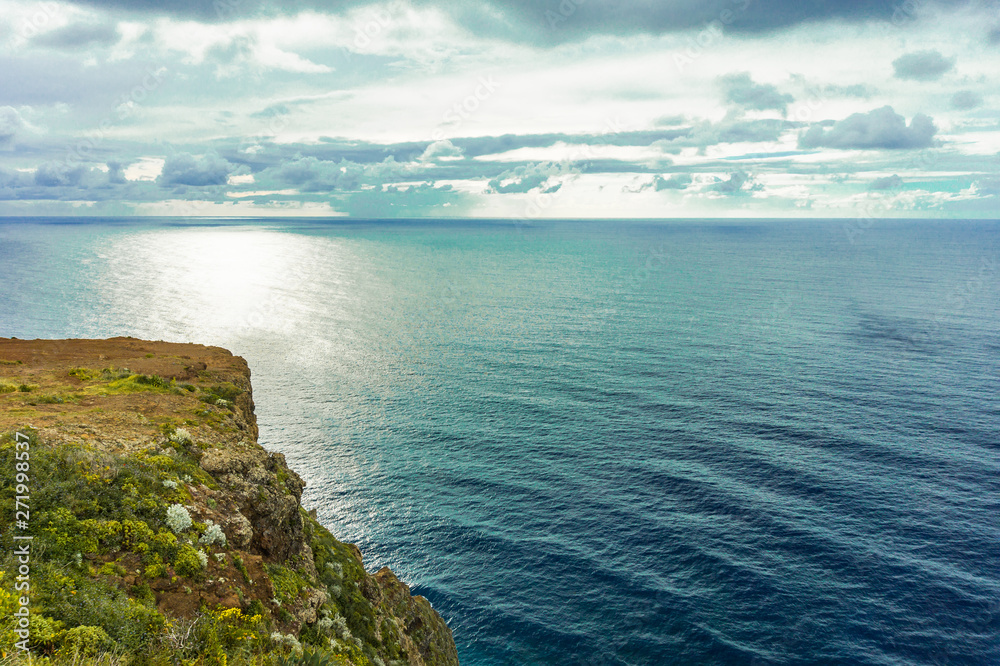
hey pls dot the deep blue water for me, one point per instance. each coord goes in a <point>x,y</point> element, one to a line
<point>740,442</point>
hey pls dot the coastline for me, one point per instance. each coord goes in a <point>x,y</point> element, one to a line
<point>147,488</point>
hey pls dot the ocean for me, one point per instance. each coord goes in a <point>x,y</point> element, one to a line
<point>604,442</point>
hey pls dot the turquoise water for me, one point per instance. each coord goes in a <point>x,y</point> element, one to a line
<point>766,442</point>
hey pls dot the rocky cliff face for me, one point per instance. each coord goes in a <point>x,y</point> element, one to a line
<point>150,431</point>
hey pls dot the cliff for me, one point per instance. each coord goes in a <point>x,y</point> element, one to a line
<point>164,533</point>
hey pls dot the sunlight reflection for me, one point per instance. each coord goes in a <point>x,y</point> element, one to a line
<point>213,284</point>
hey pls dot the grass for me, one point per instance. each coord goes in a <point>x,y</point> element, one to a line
<point>133,384</point>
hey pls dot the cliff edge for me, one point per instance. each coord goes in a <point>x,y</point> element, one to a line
<point>164,533</point>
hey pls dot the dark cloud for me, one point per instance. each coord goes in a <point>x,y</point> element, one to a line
<point>881,128</point>
<point>314,175</point>
<point>739,182</point>
<point>59,180</point>
<point>965,100</point>
<point>58,174</point>
<point>78,35</point>
<point>741,90</point>
<point>116,173</point>
<point>893,182</point>
<point>201,171</point>
<point>13,179</point>
<point>554,21</point>
<point>922,65</point>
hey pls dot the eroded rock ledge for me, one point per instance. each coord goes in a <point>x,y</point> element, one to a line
<point>143,426</point>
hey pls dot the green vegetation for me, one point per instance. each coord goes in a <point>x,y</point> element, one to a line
<point>105,548</point>
<point>134,384</point>
<point>221,395</point>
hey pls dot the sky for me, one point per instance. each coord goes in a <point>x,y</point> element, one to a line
<point>501,108</point>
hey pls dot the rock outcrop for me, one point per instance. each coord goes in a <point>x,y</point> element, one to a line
<point>126,430</point>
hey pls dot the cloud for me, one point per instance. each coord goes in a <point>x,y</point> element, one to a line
<point>10,125</point>
<point>858,90</point>
<point>58,174</point>
<point>989,186</point>
<point>202,171</point>
<point>310,174</point>
<point>272,111</point>
<point>440,150</point>
<point>116,172</point>
<point>964,100</point>
<point>881,128</point>
<point>526,178</point>
<point>893,182</point>
<point>556,22</point>
<point>739,182</point>
<point>927,65</point>
<point>706,134</point>
<point>79,35</point>
<point>678,181</point>
<point>740,90</point>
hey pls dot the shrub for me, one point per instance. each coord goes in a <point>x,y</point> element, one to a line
<point>155,570</point>
<point>287,641</point>
<point>84,641</point>
<point>113,373</point>
<point>152,380</point>
<point>188,563</point>
<point>164,543</point>
<point>213,535</point>
<point>180,436</point>
<point>178,518</point>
